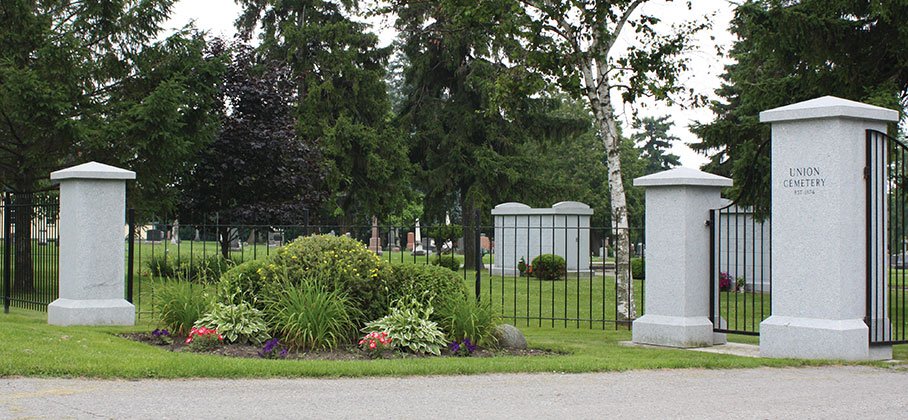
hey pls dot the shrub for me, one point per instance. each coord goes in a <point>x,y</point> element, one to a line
<point>179,304</point>
<point>740,284</point>
<point>247,283</point>
<point>236,322</point>
<point>466,319</point>
<point>638,268</point>
<point>410,328</point>
<point>200,269</point>
<point>548,266</point>
<point>310,316</point>
<point>428,284</point>
<point>447,261</point>
<point>345,263</point>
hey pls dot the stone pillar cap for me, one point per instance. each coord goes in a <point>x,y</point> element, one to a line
<point>681,177</point>
<point>92,170</point>
<point>829,107</point>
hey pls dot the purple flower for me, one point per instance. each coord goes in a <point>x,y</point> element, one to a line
<point>469,344</point>
<point>454,346</point>
<point>283,353</point>
<point>160,333</point>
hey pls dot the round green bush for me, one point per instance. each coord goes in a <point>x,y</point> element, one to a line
<point>638,268</point>
<point>548,266</point>
<point>428,284</point>
<point>341,263</point>
<point>247,282</point>
<point>447,261</point>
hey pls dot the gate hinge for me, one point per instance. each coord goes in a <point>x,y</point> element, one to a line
<point>708,223</point>
<point>866,172</point>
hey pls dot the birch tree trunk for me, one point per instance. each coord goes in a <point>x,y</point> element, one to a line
<point>597,90</point>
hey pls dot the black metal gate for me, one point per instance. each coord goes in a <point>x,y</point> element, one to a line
<point>30,250</point>
<point>740,285</point>
<point>887,239</point>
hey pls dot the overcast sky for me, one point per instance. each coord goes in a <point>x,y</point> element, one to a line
<point>217,17</point>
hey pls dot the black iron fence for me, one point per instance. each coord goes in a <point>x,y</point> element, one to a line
<point>887,239</point>
<point>740,270</point>
<point>585,293</point>
<point>30,260</point>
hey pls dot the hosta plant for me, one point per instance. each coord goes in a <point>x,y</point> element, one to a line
<point>410,327</point>
<point>238,323</point>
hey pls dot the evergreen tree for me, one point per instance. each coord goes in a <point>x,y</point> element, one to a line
<point>654,141</point>
<point>343,101</point>
<point>791,51</point>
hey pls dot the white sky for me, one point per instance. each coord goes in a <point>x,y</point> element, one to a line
<point>217,17</point>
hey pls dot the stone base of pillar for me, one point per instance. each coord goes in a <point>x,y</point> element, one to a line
<point>675,331</point>
<point>65,312</point>
<point>810,338</point>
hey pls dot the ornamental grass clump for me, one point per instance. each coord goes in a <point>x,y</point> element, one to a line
<point>409,326</point>
<point>179,304</point>
<point>310,316</point>
<point>465,318</point>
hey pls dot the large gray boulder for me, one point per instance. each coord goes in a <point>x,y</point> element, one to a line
<point>509,337</point>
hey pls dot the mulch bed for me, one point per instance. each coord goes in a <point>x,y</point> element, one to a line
<point>349,353</point>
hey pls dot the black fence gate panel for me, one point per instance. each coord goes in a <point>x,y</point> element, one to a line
<point>740,270</point>
<point>31,252</point>
<point>887,239</point>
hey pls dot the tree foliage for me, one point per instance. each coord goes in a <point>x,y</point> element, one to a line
<point>84,80</point>
<point>654,141</point>
<point>343,103</point>
<point>465,135</point>
<point>258,170</point>
<point>790,51</point>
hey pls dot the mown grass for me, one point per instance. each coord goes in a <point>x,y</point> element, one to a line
<point>33,348</point>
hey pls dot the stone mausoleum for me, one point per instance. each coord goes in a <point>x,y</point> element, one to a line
<point>523,231</point>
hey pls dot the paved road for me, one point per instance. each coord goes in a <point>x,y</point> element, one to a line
<point>830,392</point>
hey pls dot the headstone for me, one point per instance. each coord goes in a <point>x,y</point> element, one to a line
<point>676,289</point>
<point>375,240</point>
<point>175,232</point>
<point>92,212</point>
<point>819,216</point>
<point>417,240</point>
<point>411,240</point>
<point>235,243</point>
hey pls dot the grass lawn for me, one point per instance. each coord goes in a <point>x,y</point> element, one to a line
<point>33,348</point>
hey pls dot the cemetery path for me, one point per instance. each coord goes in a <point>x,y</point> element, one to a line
<point>827,392</point>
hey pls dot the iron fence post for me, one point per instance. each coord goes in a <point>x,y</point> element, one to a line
<point>712,267</point>
<point>131,220</point>
<point>478,251</point>
<point>7,252</point>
